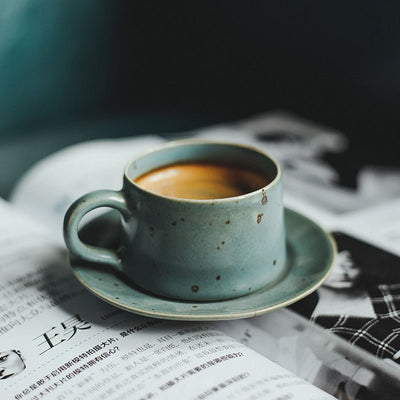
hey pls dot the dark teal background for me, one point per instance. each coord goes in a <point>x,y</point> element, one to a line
<point>75,70</point>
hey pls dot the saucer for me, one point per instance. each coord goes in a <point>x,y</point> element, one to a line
<point>310,257</point>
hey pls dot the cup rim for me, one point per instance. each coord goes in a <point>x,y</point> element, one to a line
<point>173,143</point>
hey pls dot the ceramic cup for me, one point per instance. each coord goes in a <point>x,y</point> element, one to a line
<point>197,250</point>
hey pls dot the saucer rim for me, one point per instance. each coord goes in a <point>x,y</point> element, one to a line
<point>194,315</point>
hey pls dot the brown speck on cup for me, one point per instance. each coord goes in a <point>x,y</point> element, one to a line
<point>264,199</point>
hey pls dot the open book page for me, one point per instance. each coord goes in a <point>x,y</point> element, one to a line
<point>60,341</point>
<point>47,190</point>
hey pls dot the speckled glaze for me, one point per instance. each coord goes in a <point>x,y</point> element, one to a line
<point>196,250</point>
<point>310,256</point>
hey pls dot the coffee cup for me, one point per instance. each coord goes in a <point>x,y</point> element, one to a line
<point>200,220</point>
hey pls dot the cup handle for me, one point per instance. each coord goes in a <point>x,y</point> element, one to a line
<point>74,215</point>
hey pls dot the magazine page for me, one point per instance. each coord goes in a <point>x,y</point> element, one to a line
<point>318,356</point>
<point>59,341</point>
<point>379,225</point>
<point>48,188</point>
<point>359,300</point>
<point>315,179</point>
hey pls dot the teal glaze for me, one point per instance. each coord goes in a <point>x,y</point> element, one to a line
<point>197,250</point>
<point>310,258</point>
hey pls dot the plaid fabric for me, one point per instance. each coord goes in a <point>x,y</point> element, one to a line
<point>386,301</point>
<point>380,335</point>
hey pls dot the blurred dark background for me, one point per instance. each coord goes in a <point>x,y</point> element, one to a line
<point>73,71</point>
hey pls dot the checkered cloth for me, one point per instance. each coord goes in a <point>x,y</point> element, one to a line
<point>380,335</point>
<point>380,278</point>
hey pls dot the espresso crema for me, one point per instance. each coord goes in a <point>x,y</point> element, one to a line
<point>202,181</point>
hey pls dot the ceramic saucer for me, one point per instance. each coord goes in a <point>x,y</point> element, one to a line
<point>310,257</point>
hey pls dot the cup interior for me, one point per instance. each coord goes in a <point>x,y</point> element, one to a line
<point>209,152</point>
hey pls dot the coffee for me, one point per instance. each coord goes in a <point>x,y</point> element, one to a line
<point>202,181</point>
